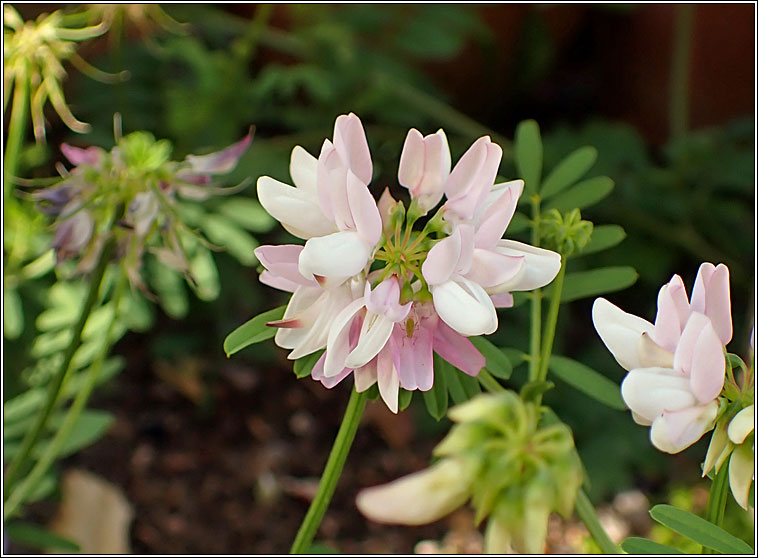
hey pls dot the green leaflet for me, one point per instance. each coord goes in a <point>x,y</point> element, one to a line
<point>574,166</point>
<point>699,530</point>
<point>528,154</point>
<point>253,331</point>
<point>583,284</point>
<point>588,381</point>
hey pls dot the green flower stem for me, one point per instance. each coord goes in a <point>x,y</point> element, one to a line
<point>19,463</point>
<point>718,496</point>
<point>680,71</point>
<point>16,129</point>
<point>489,382</point>
<point>536,297</point>
<point>331,473</point>
<point>22,491</point>
<point>552,320</point>
<point>586,512</point>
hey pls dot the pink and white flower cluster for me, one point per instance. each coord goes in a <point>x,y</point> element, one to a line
<point>380,297</point>
<point>677,365</point>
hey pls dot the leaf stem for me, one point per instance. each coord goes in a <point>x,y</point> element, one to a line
<point>489,382</point>
<point>586,512</point>
<point>19,495</point>
<point>536,296</point>
<point>16,128</point>
<point>32,436</point>
<point>548,334</point>
<point>718,496</point>
<point>331,474</point>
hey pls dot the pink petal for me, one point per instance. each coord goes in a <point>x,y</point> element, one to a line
<point>470,199</point>
<point>282,261</point>
<point>668,327</point>
<point>459,181</point>
<point>718,305</point>
<point>699,291</point>
<point>708,365</point>
<point>222,161</point>
<point>495,220</point>
<point>363,210</point>
<point>90,156</point>
<point>685,349</point>
<point>350,142</point>
<point>458,350</point>
<point>413,356</point>
<point>410,171</point>
<point>329,382</point>
<point>502,300</point>
<point>385,300</point>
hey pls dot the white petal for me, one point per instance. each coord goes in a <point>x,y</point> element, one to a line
<point>742,424</point>
<point>540,268</point>
<point>365,376</point>
<point>442,259</point>
<point>375,332</point>
<point>674,431</point>
<point>338,255</point>
<point>338,340</point>
<point>303,170</point>
<point>304,302</point>
<point>334,301</point>
<point>298,211</point>
<point>465,307</point>
<point>419,498</point>
<point>741,468</point>
<point>389,382</point>
<point>651,391</point>
<point>620,332</point>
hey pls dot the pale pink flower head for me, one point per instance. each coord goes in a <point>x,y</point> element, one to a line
<point>677,366</point>
<point>424,167</point>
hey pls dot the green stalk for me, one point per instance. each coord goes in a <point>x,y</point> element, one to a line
<point>21,493</point>
<point>331,474</point>
<point>586,512</point>
<point>16,128</point>
<point>536,297</point>
<point>489,382</point>
<point>680,71</point>
<point>718,496</point>
<point>552,320</point>
<point>19,463</point>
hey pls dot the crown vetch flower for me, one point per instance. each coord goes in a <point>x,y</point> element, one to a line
<point>677,365</point>
<point>378,295</point>
<point>137,180</point>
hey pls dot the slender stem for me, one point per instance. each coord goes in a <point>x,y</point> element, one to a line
<point>586,512</point>
<point>16,128</point>
<point>489,382</point>
<point>536,296</point>
<point>331,473</point>
<point>20,493</point>
<point>718,496</point>
<point>548,334</point>
<point>680,71</point>
<point>32,436</point>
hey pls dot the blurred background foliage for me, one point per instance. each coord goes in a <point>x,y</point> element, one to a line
<point>590,75</point>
